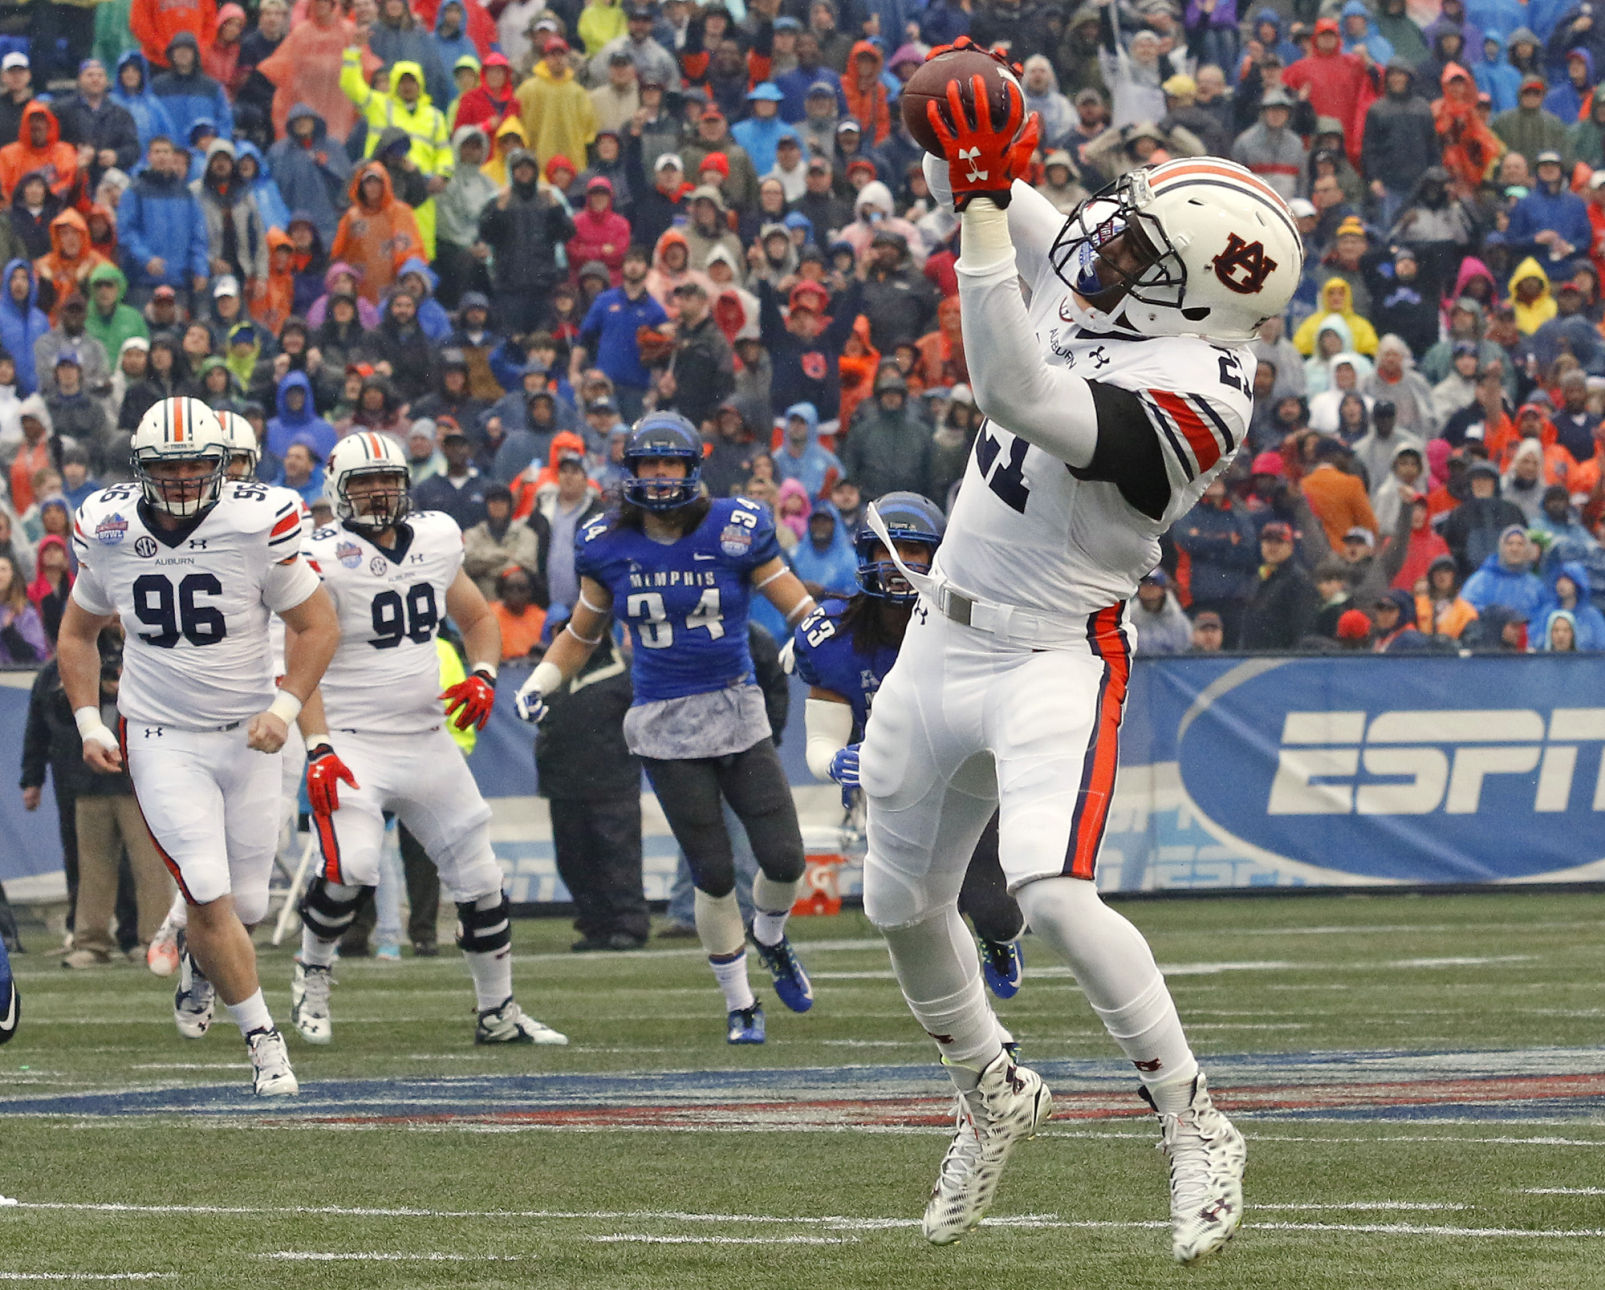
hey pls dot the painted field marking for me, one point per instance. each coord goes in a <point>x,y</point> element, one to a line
<point>1563,1191</point>
<point>641,1238</point>
<point>829,1222</point>
<point>87,1276</point>
<point>374,1256</point>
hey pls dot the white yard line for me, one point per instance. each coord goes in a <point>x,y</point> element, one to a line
<point>641,1238</point>
<point>374,1256</point>
<point>87,1276</point>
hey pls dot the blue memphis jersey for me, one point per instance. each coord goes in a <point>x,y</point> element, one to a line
<point>685,602</point>
<point>828,660</point>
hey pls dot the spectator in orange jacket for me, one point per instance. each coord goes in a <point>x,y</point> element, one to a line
<point>70,262</point>
<point>38,147</point>
<point>866,96</point>
<point>1338,498</point>
<point>155,23</point>
<point>378,233</point>
<point>276,301</point>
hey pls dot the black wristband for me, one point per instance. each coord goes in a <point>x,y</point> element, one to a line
<point>485,675</point>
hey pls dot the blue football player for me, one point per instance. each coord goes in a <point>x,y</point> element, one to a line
<point>679,570</point>
<point>843,650</point>
<point>10,1000</point>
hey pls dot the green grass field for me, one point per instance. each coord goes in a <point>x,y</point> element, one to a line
<point>1420,1080</point>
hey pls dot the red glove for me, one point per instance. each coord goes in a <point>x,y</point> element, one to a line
<point>476,696</point>
<point>325,770</point>
<point>983,161</point>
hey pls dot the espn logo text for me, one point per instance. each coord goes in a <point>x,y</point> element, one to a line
<point>1418,762</point>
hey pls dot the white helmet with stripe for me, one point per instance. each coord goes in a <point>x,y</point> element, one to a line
<point>1194,247</point>
<point>174,431</point>
<point>368,455</point>
<point>240,436</point>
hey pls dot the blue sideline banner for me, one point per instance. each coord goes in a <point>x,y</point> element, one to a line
<point>1234,773</point>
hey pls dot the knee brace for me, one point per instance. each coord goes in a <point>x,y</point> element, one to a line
<point>329,908</point>
<point>484,925</point>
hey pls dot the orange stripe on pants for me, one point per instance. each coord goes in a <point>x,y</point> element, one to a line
<point>1103,756</point>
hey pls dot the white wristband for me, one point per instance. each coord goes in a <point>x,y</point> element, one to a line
<point>286,707</point>
<point>89,722</point>
<point>985,245</point>
<point>546,677</point>
<point>314,740</point>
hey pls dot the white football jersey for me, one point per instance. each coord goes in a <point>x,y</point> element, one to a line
<point>385,676</point>
<point>194,601</point>
<point>1029,530</point>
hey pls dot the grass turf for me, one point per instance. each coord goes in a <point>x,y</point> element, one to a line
<point>1464,1201</point>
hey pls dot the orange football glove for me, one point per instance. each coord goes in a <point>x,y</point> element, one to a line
<point>983,161</point>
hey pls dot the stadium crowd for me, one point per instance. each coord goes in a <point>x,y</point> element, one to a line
<point>499,231</point>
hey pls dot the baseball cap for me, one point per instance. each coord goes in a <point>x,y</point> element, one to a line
<point>689,287</point>
<point>619,58</point>
<point>164,293</point>
<point>1359,533</point>
<point>1302,208</point>
<point>1326,26</point>
<point>669,159</point>
<point>1276,531</point>
<point>1088,95</point>
<point>823,88</point>
<point>1463,347</point>
<point>1547,157</point>
<point>13,59</point>
<point>1207,618</point>
<point>819,163</point>
<point>787,23</point>
<point>555,44</point>
<point>1276,97</point>
<point>227,285</point>
<point>765,92</point>
<point>601,405</point>
<point>568,454</point>
<point>1534,83</point>
<point>1180,86</point>
<point>848,123</point>
<point>712,112</point>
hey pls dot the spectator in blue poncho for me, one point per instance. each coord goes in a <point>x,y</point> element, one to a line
<point>824,559</point>
<point>298,418</point>
<point>1506,578</point>
<point>802,457</point>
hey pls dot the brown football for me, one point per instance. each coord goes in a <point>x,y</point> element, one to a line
<point>931,80</point>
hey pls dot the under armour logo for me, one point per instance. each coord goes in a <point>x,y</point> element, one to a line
<point>970,156</point>
<point>153,732</point>
<point>1243,266</point>
<point>415,559</point>
<point>197,544</point>
<point>1100,357</point>
<point>1215,1211</point>
<point>1154,1065</point>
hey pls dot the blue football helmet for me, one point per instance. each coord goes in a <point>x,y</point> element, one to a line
<point>663,434</point>
<point>908,518</point>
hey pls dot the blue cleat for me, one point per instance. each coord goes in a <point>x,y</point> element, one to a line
<point>1003,965</point>
<point>10,1000</point>
<point>745,1025</point>
<point>791,982</point>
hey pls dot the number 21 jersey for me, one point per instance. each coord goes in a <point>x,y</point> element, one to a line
<point>385,676</point>
<point>194,601</point>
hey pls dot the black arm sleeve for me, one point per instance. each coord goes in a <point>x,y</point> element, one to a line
<point>1128,454</point>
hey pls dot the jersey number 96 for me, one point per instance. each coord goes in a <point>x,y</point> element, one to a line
<point>178,614</point>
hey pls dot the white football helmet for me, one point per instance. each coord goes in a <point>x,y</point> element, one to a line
<point>176,430</point>
<point>368,454</point>
<point>240,436</point>
<point>1216,250</point>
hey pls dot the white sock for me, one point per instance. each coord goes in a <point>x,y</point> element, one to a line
<point>731,973</point>
<point>769,929</point>
<point>492,971</point>
<point>251,1013</point>
<point>315,951</point>
<point>178,912</point>
<point>1175,1095</point>
<point>1149,1033</point>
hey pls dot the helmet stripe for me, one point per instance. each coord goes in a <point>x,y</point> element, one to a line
<point>177,420</point>
<point>1274,203</point>
<point>1192,169</point>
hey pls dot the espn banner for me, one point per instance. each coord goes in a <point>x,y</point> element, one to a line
<point>1234,772</point>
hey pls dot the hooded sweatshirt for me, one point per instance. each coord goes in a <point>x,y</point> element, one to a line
<point>816,468</point>
<point>56,161</point>
<point>1587,621</point>
<point>124,321</point>
<point>191,98</point>
<point>467,192</point>
<point>376,239</point>
<point>21,325</point>
<point>1530,317</point>
<point>603,236</point>
<point>311,178</point>
<point>283,429</point>
<point>150,116</point>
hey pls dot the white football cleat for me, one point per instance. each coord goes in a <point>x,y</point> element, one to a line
<point>1010,1103</point>
<point>309,1002</point>
<point>1207,1156</point>
<point>508,1025</point>
<point>271,1075</point>
<point>161,955</point>
<point>194,999</point>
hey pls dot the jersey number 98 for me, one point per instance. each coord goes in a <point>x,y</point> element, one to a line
<point>178,616</point>
<point>414,620</point>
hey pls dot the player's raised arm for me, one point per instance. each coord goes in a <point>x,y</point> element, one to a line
<point>586,629</point>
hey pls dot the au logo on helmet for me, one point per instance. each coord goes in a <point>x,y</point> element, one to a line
<point>1243,266</point>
